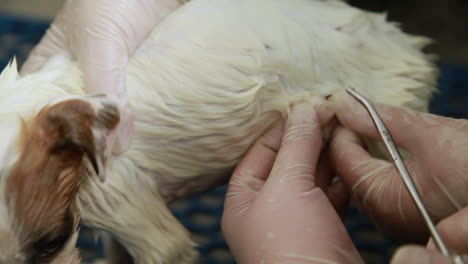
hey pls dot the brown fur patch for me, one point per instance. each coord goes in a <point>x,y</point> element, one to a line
<point>108,116</point>
<point>46,177</point>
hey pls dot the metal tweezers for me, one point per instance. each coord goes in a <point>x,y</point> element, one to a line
<point>405,175</point>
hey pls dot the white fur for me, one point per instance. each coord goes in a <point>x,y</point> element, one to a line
<point>210,80</point>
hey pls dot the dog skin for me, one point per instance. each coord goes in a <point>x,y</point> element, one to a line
<point>203,87</point>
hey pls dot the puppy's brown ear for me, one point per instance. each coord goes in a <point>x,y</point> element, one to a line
<point>70,128</point>
<point>79,128</point>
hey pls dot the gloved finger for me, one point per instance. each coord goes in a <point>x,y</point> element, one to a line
<point>418,255</point>
<point>104,73</point>
<point>367,178</point>
<point>52,43</point>
<point>406,125</point>
<point>110,33</point>
<point>294,170</point>
<point>454,231</point>
<point>352,162</point>
<point>104,64</point>
<point>291,186</point>
<point>253,170</point>
<point>338,196</point>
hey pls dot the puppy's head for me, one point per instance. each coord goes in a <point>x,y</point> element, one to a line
<point>43,160</point>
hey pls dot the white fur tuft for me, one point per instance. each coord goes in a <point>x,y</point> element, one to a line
<point>9,75</point>
<point>25,95</point>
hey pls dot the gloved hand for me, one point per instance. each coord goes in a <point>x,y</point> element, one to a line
<point>101,35</point>
<point>420,255</point>
<point>275,211</point>
<point>439,166</point>
<point>454,231</point>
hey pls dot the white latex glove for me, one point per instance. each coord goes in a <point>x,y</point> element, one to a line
<point>281,206</point>
<point>420,255</point>
<point>454,231</point>
<point>101,35</point>
<point>439,166</point>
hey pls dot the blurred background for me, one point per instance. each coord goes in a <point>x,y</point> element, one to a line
<point>23,22</point>
<point>445,21</point>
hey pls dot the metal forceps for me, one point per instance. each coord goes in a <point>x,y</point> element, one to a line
<point>405,175</point>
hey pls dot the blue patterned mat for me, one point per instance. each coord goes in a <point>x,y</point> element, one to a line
<point>202,214</point>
